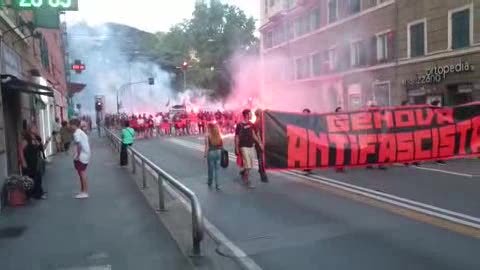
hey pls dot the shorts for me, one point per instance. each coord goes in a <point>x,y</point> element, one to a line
<point>248,154</point>
<point>79,166</point>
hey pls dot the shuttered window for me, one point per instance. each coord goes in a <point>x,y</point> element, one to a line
<point>332,11</point>
<point>460,29</point>
<point>317,64</point>
<point>417,40</point>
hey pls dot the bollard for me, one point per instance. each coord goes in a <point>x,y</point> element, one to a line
<point>144,175</point>
<point>161,195</point>
<point>134,163</point>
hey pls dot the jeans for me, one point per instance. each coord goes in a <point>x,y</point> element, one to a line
<point>213,159</point>
<point>124,154</point>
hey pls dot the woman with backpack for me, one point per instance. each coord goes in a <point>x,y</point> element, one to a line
<point>128,137</point>
<point>213,149</point>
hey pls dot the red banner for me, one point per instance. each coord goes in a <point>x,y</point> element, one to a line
<point>376,136</point>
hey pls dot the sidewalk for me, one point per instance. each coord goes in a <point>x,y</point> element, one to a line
<point>114,229</point>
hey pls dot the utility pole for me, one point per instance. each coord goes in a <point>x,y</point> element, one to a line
<point>185,80</point>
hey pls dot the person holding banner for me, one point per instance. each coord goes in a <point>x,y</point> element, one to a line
<point>372,106</point>
<point>436,103</point>
<point>245,138</point>
<point>339,169</point>
<point>307,111</point>
<point>259,131</point>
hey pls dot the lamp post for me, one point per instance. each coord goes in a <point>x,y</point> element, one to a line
<point>150,81</point>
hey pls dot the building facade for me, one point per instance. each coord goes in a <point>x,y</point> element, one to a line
<point>33,86</point>
<point>349,53</point>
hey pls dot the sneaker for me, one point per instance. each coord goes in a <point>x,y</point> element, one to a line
<point>251,185</point>
<point>43,197</point>
<point>82,195</point>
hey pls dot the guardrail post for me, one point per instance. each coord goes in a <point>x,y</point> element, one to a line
<point>196,251</point>
<point>161,195</point>
<point>134,163</point>
<point>144,175</point>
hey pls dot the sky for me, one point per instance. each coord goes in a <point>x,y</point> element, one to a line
<point>147,15</point>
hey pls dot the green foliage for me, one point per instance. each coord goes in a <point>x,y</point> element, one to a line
<point>213,34</point>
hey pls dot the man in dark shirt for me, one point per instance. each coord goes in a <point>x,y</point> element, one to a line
<point>245,138</point>
<point>259,131</point>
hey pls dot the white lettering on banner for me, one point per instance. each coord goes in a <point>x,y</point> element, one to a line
<point>437,74</point>
<point>11,62</point>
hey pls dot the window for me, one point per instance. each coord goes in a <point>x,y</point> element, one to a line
<point>288,4</point>
<point>332,11</point>
<point>278,35</point>
<point>315,18</point>
<point>382,47</point>
<point>332,59</point>
<point>306,25</point>
<point>268,40</point>
<point>417,39</point>
<point>355,53</point>
<point>302,66</point>
<point>290,31</point>
<point>460,28</point>
<point>354,6</point>
<point>298,27</point>
<point>317,64</point>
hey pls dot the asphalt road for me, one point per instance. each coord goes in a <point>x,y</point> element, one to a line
<point>293,222</point>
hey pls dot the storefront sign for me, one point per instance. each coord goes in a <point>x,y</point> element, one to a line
<point>437,74</point>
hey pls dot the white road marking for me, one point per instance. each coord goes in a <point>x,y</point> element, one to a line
<point>449,215</point>
<point>443,171</point>
<point>216,234</point>
<point>246,262</point>
<point>323,180</point>
<point>94,267</point>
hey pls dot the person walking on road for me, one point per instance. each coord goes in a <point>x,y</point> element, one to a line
<point>213,147</point>
<point>245,138</point>
<point>128,137</point>
<point>81,156</point>
<point>259,131</point>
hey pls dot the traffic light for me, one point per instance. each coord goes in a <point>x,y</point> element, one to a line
<point>185,65</point>
<point>151,81</point>
<point>78,66</point>
<point>99,106</point>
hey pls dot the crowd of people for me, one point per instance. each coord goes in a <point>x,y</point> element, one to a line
<point>174,124</point>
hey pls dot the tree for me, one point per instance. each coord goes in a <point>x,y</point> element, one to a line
<point>207,41</point>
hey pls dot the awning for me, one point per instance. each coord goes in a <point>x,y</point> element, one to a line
<point>12,83</point>
<point>75,87</point>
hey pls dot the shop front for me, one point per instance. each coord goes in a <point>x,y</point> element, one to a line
<point>452,82</point>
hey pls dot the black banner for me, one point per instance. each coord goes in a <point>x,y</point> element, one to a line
<point>375,136</point>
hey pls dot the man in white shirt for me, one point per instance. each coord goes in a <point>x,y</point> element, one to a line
<point>81,156</point>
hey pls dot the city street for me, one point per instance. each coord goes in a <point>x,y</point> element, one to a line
<point>402,218</point>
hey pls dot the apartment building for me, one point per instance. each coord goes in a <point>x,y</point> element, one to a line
<point>350,53</point>
<point>33,83</point>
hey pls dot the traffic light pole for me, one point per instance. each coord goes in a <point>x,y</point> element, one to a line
<point>184,80</point>
<point>149,81</point>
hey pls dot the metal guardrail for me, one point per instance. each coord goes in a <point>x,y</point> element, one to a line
<point>197,216</point>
